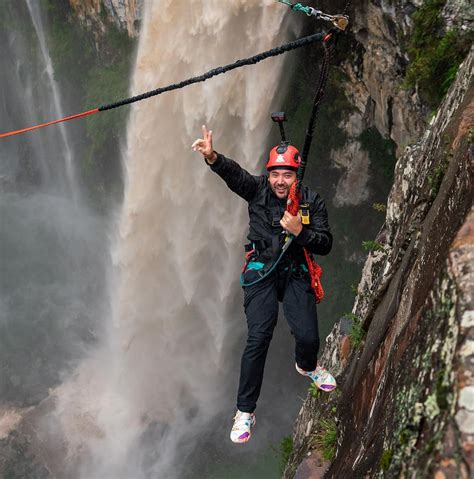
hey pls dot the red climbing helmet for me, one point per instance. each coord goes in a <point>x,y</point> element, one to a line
<point>284,156</point>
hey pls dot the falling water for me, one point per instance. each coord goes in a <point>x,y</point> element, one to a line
<point>30,95</point>
<point>67,152</point>
<point>142,403</point>
<point>53,249</point>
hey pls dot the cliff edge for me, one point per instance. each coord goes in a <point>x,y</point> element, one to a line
<point>404,357</point>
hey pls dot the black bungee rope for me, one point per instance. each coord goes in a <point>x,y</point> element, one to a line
<point>301,42</point>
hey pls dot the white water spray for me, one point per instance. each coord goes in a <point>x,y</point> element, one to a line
<point>157,383</point>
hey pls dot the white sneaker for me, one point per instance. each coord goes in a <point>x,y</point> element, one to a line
<point>323,379</point>
<point>242,428</point>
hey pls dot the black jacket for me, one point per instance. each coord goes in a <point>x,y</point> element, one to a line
<point>265,211</point>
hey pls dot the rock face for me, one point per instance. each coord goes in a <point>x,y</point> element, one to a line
<point>375,71</point>
<point>375,74</point>
<point>124,13</point>
<point>406,401</point>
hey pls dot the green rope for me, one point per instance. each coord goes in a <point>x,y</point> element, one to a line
<point>301,8</point>
<point>339,21</point>
<point>297,7</point>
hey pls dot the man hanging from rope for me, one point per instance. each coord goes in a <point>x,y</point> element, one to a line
<point>288,282</point>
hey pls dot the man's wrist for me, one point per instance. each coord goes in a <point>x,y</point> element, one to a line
<point>298,231</point>
<point>304,237</point>
<point>210,160</point>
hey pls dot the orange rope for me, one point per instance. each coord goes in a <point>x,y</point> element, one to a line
<point>315,271</point>
<point>301,42</point>
<point>36,127</point>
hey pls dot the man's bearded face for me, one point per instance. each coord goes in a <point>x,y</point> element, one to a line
<point>280,182</point>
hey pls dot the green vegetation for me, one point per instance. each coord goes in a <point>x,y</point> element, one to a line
<point>314,391</point>
<point>357,332</point>
<point>70,49</point>
<point>106,85</point>
<point>362,294</point>
<point>380,207</point>
<point>93,69</point>
<point>435,55</point>
<point>342,267</point>
<point>371,245</point>
<point>470,136</point>
<point>386,459</point>
<point>107,82</point>
<point>326,439</point>
<point>353,317</point>
<point>284,451</point>
<point>382,156</point>
<point>436,177</point>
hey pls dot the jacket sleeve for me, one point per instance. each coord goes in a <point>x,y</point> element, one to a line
<point>317,236</point>
<point>240,181</point>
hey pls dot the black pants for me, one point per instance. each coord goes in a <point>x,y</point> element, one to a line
<point>261,308</point>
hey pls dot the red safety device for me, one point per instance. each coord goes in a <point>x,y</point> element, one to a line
<point>315,271</point>
<point>284,156</point>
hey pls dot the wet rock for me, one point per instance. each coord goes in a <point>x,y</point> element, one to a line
<point>312,467</point>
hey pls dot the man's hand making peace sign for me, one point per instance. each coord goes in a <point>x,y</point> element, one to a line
<point>204,146</point>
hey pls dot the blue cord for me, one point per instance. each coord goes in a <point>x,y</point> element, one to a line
<point>275,264</point>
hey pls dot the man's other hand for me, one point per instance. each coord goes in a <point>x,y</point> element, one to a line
<point>204,145</point>
<point>292,224</point>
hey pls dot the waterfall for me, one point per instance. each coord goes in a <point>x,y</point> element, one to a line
<point>181,229</point>
<point>139,405</point>
<point>67,152</point>
<point>54,251</point>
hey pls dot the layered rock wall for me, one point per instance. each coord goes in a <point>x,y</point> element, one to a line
<point>376,85</point>
<point>406,406</point>
<point>375,70</point>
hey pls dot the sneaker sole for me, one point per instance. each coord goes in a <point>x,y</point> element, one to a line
<point>326,389</point>
<point>241,441</point>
